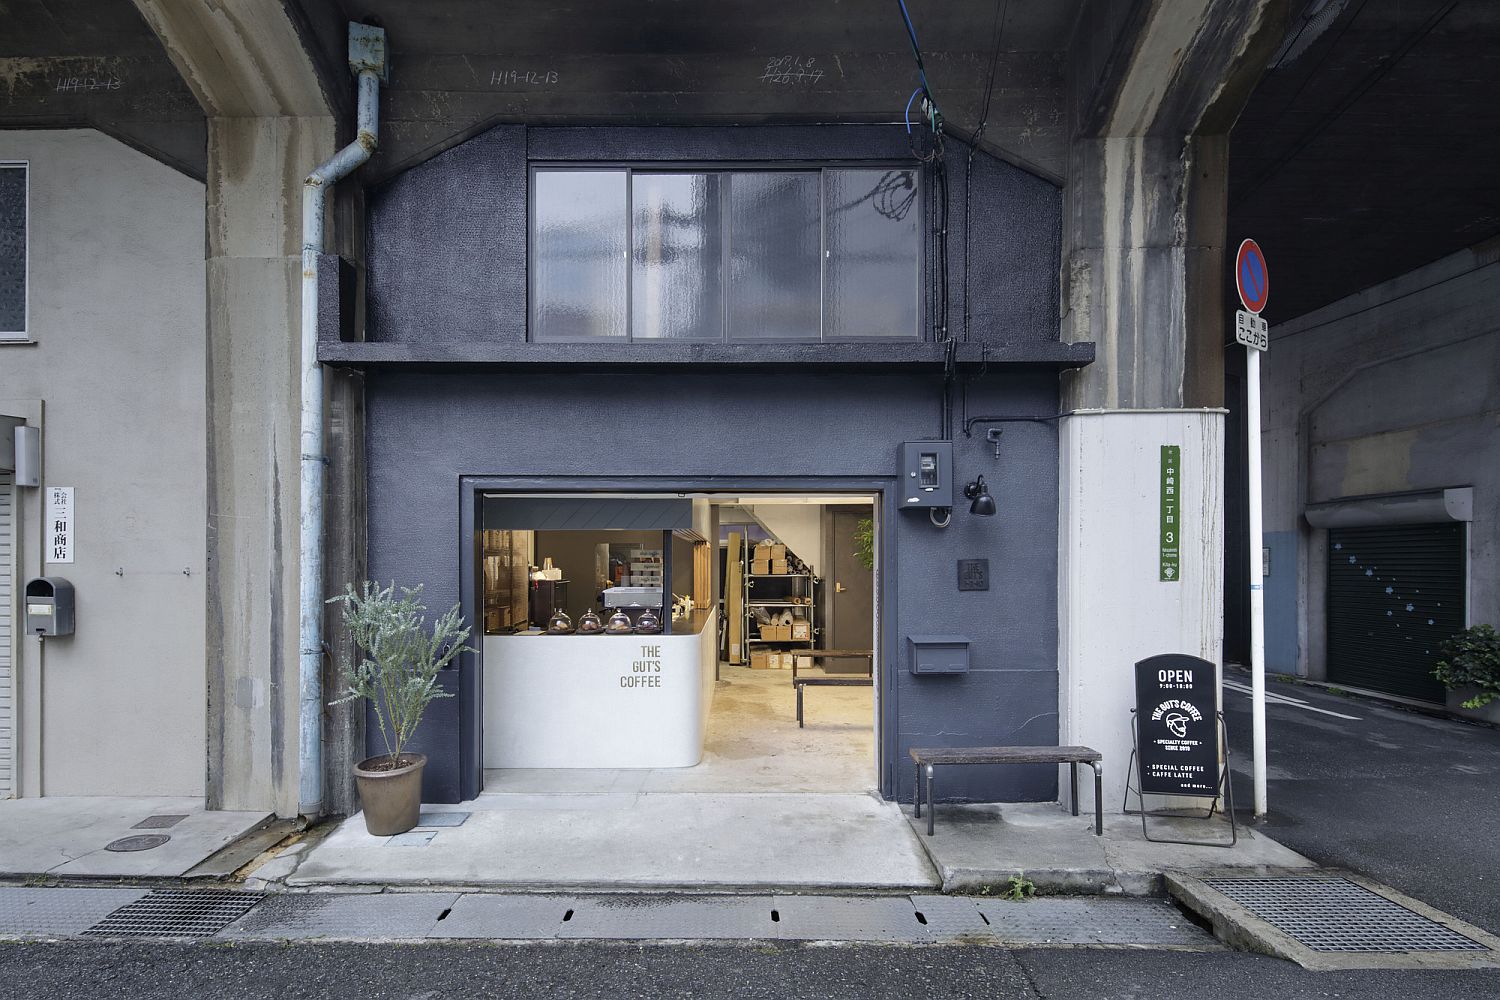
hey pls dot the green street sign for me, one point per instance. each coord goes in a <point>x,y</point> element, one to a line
<point>1171,511</point>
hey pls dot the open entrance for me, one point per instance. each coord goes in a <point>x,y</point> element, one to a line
<point>709,644</point>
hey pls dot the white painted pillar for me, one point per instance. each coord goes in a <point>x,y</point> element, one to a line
<point>1113,609</point>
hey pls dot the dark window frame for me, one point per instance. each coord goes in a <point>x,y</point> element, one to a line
<point>920,334</point>
<point>22,335</point>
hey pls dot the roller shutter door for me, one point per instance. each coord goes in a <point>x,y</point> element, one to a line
<point>7,639</point>
<point>1395,592</point>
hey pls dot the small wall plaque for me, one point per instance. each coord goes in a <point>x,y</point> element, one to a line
<point>973,574</point>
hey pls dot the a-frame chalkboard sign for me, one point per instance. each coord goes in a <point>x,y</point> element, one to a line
<point>1179,736</point>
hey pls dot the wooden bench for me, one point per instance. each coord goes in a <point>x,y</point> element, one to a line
<point>929,757</point>
<point>827,680</point>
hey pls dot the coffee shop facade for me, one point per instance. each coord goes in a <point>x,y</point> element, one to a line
<point>636,313</point>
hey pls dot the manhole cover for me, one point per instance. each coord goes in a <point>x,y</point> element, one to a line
<point>141,842</point>
<point>176,913</point>
<point>160,822</point>
<point>1337,915</point>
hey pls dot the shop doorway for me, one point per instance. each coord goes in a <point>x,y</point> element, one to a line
<point>650,643</point>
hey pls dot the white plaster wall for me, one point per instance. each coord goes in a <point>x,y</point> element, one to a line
<point>799,526</point>
<point>1112,608</point>
<point>116,378</point>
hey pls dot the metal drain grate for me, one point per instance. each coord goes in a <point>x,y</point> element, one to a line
<point>176,913</point>
<point>1337,915</point>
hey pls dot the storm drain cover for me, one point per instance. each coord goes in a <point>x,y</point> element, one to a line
<point>163,821</point>
<point>141,842</point>
<point>1337,915</point>
<point>176,913</point>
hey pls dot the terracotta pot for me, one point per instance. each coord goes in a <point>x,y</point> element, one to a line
<point>392,799</point>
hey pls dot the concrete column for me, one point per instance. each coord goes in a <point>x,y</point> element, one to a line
<point>1155,89</point>
<point>269,123</point>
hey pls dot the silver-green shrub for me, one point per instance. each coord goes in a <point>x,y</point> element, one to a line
<point>398,671</point>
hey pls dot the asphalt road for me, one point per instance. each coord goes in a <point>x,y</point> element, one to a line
<point>89,971</point>
<point>1407,799</point>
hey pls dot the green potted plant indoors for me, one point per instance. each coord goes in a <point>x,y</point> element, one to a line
<point>1470,670</point>
<point>397,673</point>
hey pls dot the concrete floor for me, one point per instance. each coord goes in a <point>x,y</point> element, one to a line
<point>753,745</point>
<point>64,836</point>
<point>770,805</point>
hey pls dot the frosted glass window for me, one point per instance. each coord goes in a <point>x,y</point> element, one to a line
<point>677,277</point>
<point>871,276</point>
<point>579,255</point>
<point>12,251</point>
<point>775,240</point>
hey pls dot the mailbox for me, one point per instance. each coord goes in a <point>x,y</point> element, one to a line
<point>49,606</point>
<point>938,654</point>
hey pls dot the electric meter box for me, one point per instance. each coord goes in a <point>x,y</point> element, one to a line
<point>49,606</point>
<point>926,474</point>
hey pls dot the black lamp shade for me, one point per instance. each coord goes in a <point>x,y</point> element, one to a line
<point>983,504</point>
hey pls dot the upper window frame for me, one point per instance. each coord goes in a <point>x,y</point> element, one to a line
<point>23,335</point>
<point>921,334</point>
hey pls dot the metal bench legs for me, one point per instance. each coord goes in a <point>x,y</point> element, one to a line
<point>799,704</point>
<point>1098,799</point>
<point>916,795</point>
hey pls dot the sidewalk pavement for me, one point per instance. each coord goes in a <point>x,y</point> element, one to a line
<point>99,836</point>
<point>132,914</point>
<point>978,846</point>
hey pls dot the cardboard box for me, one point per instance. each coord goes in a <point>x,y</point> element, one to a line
<point>781,661</point>
<point>778,567</point>
<point>760,567</point>
<point>801,630</point>
<point>778,551</point>
<point>762,551</point>
<point>804,662</point>
<point>760,660</point>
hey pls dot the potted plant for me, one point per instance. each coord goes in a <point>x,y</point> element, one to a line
<point>1470,669</point>
<point>398,675</point>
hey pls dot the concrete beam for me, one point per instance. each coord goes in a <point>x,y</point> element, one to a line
<point>1156,86</point>
<point>241,60</point>
<point>269,123</point>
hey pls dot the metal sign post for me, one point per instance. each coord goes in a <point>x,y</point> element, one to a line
<point>1252,281</point>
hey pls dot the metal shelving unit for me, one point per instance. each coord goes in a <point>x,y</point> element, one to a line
<point>802,585</point>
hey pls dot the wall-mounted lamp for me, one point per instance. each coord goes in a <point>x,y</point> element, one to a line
<point>979,492</point>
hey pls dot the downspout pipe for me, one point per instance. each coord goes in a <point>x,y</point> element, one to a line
<point>367,61</point>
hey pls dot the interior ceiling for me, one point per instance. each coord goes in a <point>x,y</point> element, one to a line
<point>1373,152</point>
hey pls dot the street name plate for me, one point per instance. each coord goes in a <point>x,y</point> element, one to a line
<point>1251,330</point>
<point>1176,711</point>
<point>1171,512</point>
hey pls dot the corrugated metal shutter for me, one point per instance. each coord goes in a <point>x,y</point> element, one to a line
<point>1395,592</point>
<point>7,640</point>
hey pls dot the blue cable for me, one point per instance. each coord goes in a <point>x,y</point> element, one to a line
<point>916,50</point>
<point>913,97</point>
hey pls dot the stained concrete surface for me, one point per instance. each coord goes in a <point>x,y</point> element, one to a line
<point>753,745</point>
<point>770,805</point>
<point>663,839</point>
<point>65,836</point>
<point>974,846</point>
<point>1407,799</point>
<point>87,970</point>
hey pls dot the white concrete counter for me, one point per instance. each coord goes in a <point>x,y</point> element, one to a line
<point>599,700</point>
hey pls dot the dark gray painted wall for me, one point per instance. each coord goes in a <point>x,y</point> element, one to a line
<point>425,431</point>
<point>447,239</point>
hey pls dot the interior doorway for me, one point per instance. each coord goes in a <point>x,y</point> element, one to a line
<point>779,583</point>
